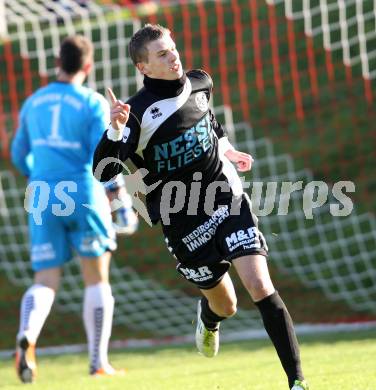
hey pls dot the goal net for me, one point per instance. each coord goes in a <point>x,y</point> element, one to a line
<point>283,70</point>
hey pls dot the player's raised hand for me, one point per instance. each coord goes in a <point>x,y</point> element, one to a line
<point>119,111</point>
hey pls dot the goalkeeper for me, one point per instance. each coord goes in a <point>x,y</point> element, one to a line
<point>168,130</point>
<point>59,127</point>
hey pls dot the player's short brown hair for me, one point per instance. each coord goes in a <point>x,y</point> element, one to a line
<point>75,52</point>
<point>137,45</point>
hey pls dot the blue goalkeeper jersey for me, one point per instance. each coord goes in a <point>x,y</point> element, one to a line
<point>59,128</point>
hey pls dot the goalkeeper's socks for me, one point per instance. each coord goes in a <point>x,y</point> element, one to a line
<point>279,326</point>
<point>208,317</point>
<point>35,306</point>
<point>97,316</point>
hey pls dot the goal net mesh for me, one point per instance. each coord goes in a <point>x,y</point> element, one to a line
<point>287,71</point>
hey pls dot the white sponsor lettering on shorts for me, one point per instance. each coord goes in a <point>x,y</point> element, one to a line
<point>202,274</point>
<point>42,252</point>
<point>205,232</point>
<point>247,239</point>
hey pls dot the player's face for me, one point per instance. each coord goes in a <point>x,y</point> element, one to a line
<point>163,60</point>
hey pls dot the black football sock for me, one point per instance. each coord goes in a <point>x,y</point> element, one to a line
<point>208,317</point>
<point>279,326</point>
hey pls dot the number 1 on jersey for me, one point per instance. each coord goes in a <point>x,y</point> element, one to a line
<point>55,121</point>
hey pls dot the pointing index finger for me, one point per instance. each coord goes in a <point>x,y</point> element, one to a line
<point>111,95</point>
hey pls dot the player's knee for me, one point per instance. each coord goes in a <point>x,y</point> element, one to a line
<point>259,288</point>
<point>231,310</point>
<point>228,309</point>
<point>96,270</point>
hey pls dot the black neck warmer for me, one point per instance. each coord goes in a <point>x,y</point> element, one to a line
<point>165,88</point>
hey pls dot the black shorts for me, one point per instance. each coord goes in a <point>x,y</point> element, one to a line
<point>204,246</point>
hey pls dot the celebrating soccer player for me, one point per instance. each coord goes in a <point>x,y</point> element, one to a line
<point>168,129</point>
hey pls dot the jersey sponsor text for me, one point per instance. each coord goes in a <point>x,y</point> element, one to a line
<point>184,149</point>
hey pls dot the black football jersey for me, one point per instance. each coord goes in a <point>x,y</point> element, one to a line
<point>173,134</point>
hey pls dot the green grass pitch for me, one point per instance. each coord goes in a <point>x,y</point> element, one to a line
<point>342,361</point>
